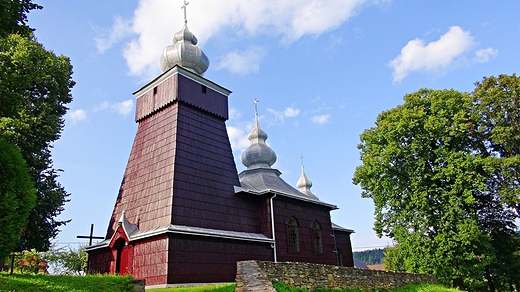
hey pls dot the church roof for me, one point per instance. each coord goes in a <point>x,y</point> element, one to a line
<point>341,228</point>
<point>188,230</point>
<point>260,178</point>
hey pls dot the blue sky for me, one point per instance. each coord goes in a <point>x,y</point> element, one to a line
<point>322,70</point>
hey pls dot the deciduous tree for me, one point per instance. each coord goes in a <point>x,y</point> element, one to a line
<point>35,88</point>
<point>497,101</point>
<point>14,16</point>
<point>424,166</point>
<point>17,196</point>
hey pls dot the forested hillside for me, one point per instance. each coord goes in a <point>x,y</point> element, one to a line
<point>370,257</point>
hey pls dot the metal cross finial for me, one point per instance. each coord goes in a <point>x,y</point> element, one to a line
<point>255,102</point>
<point>301,157</point>
<point>184,7</point>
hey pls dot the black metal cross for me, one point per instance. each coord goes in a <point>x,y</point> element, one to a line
<point>91,236</point>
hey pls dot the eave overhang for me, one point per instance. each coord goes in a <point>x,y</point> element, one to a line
<point>190,230</point>
<point>341,228</point>
<point>239,190</point>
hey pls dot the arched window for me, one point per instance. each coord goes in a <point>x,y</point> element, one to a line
<point>292,235</point>
<point>317,245</point>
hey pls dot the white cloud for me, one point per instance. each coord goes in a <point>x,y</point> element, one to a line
<point>123,108</point>
<point>234,114</point>
<point>238,136</point>
<point>321,119</point>
<point>155,22</point>
<point>287,113</point>
<point>484,55</point>
<point>116,33</point>
<point>242,62</point>
<point>102,106</point>
<point>77,115</point>
<point>291,112</point>
<point>434,56</point>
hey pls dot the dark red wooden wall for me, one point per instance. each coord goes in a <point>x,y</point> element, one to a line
<point>202,260</point>
<point>306,214</point>
<point>345,248</point>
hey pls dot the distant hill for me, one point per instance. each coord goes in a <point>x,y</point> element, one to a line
<point>370,257</point>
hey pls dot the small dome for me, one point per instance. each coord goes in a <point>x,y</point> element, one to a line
<point>258,155</point>
<point>185,53</point>
<point>304,184</point>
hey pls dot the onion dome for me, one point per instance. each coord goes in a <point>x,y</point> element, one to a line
<point>185,53</point>
<point>258,154</point>
<point>304,184</point>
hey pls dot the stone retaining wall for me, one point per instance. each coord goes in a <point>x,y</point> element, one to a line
<point>312,276</point>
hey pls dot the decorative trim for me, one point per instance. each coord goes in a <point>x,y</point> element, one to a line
<point>190,75</point>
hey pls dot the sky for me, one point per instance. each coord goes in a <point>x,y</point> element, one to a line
<point>322,70</point>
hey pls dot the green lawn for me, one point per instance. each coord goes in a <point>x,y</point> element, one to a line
<point>44,283</point>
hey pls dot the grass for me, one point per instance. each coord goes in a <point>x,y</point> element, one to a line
<point>409,288</point>
<point>109,283</point>
<point>44,283</point>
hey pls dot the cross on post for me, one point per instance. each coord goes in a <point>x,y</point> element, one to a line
<point>91,236</point>
<point>301,158</point>
<point>184,7</point>
<point>255,102</point>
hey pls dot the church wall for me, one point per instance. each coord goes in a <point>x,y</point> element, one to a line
<point>205,259</point>
<point>150,260</point>
<point>205,174</point>
<point>99,261</point>
<point>344,248</point>
<point>265,216</point>
<point>306,214</point>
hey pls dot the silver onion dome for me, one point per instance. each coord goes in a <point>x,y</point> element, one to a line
<point>184,52</point>
<point>304,184</point>
<point>258,154</point>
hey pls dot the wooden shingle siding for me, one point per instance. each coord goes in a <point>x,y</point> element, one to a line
<point>306,214</point>
<point>204,176</point>
<point>345,247</point>
<point>198,259</point>
<point>187,224</point>
<point>147,186</point>
<point>150,260</point>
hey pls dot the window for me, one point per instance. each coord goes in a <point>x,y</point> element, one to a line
<point>204,89</point>
<point>292,235</point>
<point>317,245</point>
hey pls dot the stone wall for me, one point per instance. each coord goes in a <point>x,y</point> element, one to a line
<point>312,276</point>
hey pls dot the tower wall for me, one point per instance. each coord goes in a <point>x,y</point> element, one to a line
<point>181,168</point>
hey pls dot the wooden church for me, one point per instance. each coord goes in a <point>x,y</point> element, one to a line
<point>183,214</point>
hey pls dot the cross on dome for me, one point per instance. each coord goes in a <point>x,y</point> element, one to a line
<point>184,7</point>
<point>184,51</point>
<point>255,102</point>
